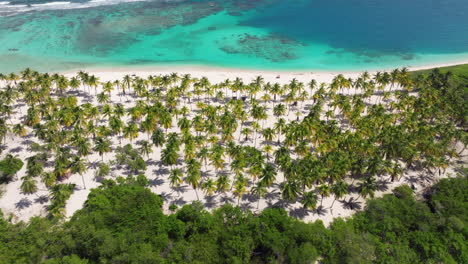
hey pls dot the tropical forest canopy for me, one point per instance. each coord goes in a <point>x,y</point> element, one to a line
<point>122,222</point>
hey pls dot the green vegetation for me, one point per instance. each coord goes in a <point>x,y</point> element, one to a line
<point>459,70</point>
<point>9,167</point>
<point>123,223</point>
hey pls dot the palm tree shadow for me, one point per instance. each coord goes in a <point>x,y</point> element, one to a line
<point>210,201</point>
<point>279,204</point>
<point>352,188</point>
<point>226,199</point>
<point>246,206</point>
<point>206,173</point>
<point>272,196</point>
<point>300,212</point>
<point>16,150</point>
<point>93,164</point>
<point>27,142</point>
<point>165,196</point>
<point>180,201</point>
<point>23,203</point>
<point>156,182</point>
<point>382,185</point>
<point>42,199</point>
<point>421,179</point>
<point>321,211</point>
<point>152,162</point>
<point>161,171</point>
<point>180,188</point>
<point>351,204</point>
<point>250,197</point>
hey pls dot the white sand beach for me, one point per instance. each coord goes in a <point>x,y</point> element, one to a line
<point>22,207</point>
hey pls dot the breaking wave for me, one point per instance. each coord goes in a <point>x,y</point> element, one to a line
<point>13,7</point>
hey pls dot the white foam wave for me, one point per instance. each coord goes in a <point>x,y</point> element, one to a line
<point>51,4</point>
<point>8,9</point>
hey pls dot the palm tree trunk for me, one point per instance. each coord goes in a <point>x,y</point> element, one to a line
<point>82,178</point>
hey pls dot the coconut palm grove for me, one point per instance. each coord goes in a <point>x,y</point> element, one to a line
<point>183,170</point>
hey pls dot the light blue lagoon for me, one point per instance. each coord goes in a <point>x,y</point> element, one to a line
<point>332,35</point>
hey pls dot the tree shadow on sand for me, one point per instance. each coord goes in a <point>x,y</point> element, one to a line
<point>23,203</point>
<point>280,204</point>
<point>42,199</point>
<point>250,197</point>
<point>180,201</point>
<point>382,185</point>
<point>152,162</point>
<point>422,179</point>
<point>226,199</point>
<point>299,213</point>
<point>246,206</point>
<point>16,150</point>
<point>351,204</point>
<point>321,211</point>
<point>161,171</point>
<point>210,201</point>
<point>180,189</point>
<point>165,196</point>
<point>156,182</point>
<point>272,195</point>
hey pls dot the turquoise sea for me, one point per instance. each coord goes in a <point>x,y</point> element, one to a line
<point>250,34</point>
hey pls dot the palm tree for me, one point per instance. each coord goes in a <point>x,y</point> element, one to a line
<point>268,149</point>
<point>78,165</point>
<point>19,130</point>
<point>102,145</point>
<point>158,138</point>
<point>246,132</point>
<point>193,175</point>
<point>222,183</point>
<point>339,190</point>
<point>83,147</point>
<point>209,187</point>
<point>203,155</point>
<point>102,170</point>
<point>131,131</point>
<point>324,191</point>
<point>175,178</point>
<point>59,195</point>
<point>309,200</point>
<point>169,156</point>
<point>268,134</point>
<point>289,191</point>
<point>260,190</point>
<point>28,186</point>
<point>145,148</point>
<point>239,187</point>
<point>367,187</point>
<point>49,179</point>
<point>268,175</point>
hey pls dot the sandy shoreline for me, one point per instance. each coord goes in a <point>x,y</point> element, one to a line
<point>219,74</point>
<point>188,68</point>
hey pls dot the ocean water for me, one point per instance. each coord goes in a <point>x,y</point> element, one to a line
<point>249,34</point>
